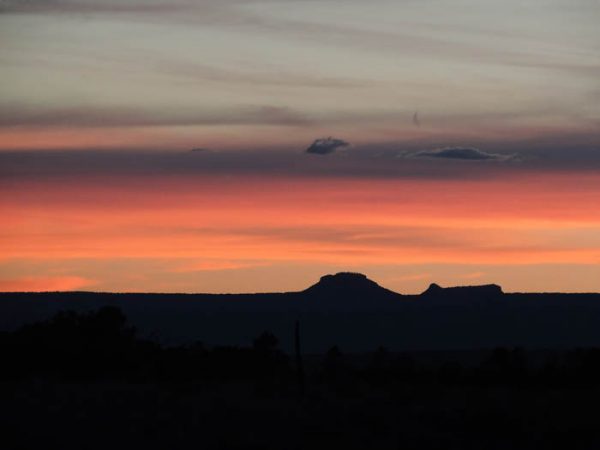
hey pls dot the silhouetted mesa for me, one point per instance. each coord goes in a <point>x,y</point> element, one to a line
<point>346,283</point>
<point>349,290</point>
<point>480,293</point>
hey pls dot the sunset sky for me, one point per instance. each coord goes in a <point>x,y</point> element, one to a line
<point>249,145</point>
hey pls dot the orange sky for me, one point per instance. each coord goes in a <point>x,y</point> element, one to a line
<point>196,230</point>
<point>461,144</point>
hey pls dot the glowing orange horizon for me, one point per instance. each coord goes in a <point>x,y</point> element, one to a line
<point>227,224</point>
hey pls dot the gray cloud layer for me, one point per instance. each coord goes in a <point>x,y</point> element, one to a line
<point>236,13</point>
<point>358,163</point>
<point>361,162</point>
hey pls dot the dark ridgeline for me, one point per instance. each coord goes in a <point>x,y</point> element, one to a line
<point>89,379</point>
<point>345,309</point>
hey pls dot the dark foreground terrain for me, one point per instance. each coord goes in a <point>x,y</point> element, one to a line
<point>345,309</point>
<point>88,381</point>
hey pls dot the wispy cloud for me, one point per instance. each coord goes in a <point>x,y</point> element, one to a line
<point>462,153</point>
<point>88,6</point>
<point>192,71</point>
<point>214,266</point>
<point>472,275</point>
<point>38,284</point>
<point>130,117</point>
<point>415,277</point>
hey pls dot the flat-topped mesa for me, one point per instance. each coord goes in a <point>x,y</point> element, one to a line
<point>348,287</point>
<point>344,282</point>
<point>482,292</point>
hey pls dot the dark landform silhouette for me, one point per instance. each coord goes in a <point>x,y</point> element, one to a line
<point>85,375</point>
<point>345,309</point>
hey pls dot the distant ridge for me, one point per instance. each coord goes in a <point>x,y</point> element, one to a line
<point>347,289</point>
<point>347,284</point>
<point>481,292</point>
<point>345,309</point>
<point>435,289</point>
<point>350,283</point>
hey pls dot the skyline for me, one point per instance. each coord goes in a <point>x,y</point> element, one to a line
<point>249,145</point>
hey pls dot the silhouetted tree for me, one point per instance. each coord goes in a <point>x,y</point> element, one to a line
<point>333,366</point>
<point>266,342</point>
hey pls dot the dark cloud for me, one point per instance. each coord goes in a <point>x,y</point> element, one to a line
<point>325,146</point>
<point>462,153</point>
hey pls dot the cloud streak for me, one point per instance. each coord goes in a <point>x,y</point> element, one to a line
<point>97,117</point>
<point>88,6</point>
<point>202,73</point>
<point>217,266</point>
<point>462,153</point>
<point>47,283</point>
